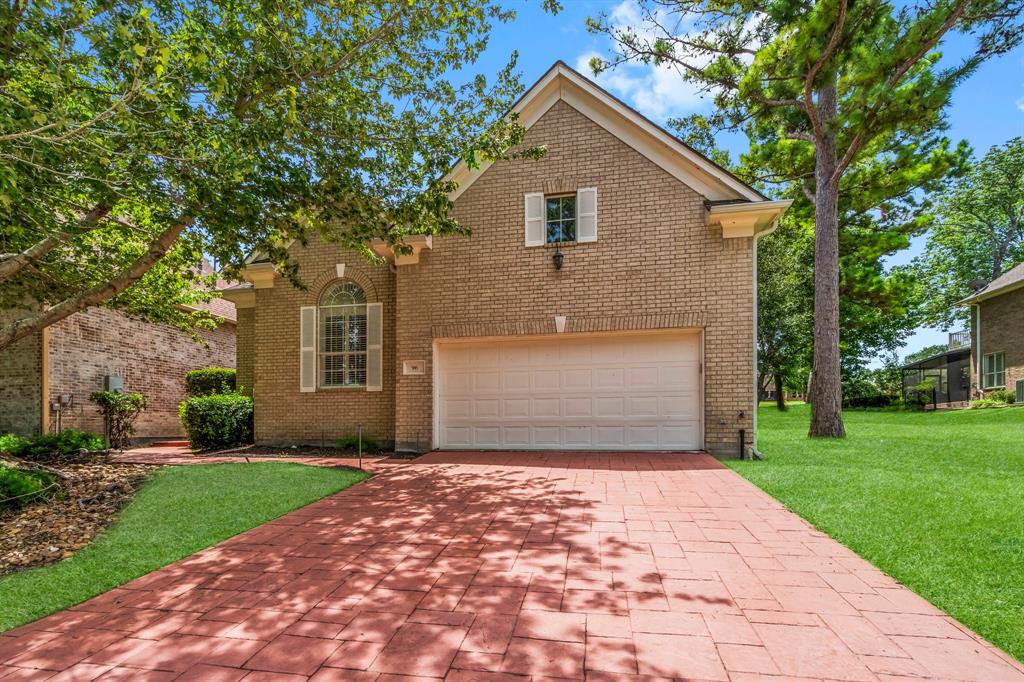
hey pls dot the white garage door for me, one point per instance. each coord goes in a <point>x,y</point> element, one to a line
<point>618,392</point>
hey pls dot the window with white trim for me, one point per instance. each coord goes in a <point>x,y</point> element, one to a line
<point>560,218</point>
<point>993,370</point>
<point>342,336</point>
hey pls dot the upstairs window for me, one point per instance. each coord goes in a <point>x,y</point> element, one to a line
<point>993,370</point>
<point>561,218</point>
<point>342,351</point>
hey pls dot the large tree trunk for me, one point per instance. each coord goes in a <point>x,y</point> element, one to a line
<point>826,394</point>
<point>99,293</point>
<point>780,395</point>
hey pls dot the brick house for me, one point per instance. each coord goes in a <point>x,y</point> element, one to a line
<point>997,334</point>
<point>605,301</point>
<point>47,378</point>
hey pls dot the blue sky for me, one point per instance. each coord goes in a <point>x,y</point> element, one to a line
<point>987,110</point>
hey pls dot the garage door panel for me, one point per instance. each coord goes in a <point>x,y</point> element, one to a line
<point>546,380</point>
<point>578,407</point>
<point>516,436</point>
<point>547,436</point>
<point>610,436</point>
<point>614,406</point>
<point>486,408</point>
<point>638,392</point>
<point>679,406</point>
<point>576,379</point>
<point>578,436</point>
<point>515,407</point>
<point>643,436</point>
<point>516,380</point>
<point>547,407</point>
<point>609,377</point>
<point>642,406</point>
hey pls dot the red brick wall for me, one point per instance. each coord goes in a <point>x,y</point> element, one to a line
<point>152,359</point>
<point>20,387</point>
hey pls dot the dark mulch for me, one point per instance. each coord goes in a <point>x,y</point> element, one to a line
<point>52,529</point>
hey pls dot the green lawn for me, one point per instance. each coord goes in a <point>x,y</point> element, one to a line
<point>179,511</point>
<point>934,499</point>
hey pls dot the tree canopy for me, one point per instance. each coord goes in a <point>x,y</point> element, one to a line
<point>137,135</point>
<point>834,96</point>
<point>978,233</point>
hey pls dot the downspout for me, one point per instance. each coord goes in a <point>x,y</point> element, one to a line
<point>44,381</point>
<point>754,454</point>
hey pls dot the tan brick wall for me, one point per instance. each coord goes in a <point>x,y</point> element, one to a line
<point>152,359</point>
<point>656,264</point>
<point>245,341</point>
<point>20,387</point>
<point>1002,330</point>
<point>283,413</point>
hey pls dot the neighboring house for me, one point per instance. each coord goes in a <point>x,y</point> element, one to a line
<point>605,301</point>
<point>947,373</point>
<point>997,330</point>
<point>46,379</point>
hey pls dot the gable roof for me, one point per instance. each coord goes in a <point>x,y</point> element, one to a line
<point>563,83</point>
<point>1005,283</point>
<point>723,192</point>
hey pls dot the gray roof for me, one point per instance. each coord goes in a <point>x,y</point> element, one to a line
<point>1011,279</point>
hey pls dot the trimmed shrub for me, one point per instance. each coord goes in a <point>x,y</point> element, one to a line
<point>119,410</point>
<point>1002,395</point>
<point>370,444</point>
<point>210,381</point>
<point>19,487</point>
<point>217,421</point>
<point>69,444</point>
<point>864,401</point>
<point>11,444</point>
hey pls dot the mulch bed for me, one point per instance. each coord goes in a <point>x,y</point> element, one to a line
<point>47,531</point>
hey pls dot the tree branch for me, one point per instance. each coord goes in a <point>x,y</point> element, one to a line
<point>16,262</point>
<point>812,73</point>
<point>926,46</point>
<point>100,293</point>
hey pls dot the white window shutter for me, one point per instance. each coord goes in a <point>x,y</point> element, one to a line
<point>307,349</point>
<point>534,219</point>
<point>586,214</point>
<point>374,343</point>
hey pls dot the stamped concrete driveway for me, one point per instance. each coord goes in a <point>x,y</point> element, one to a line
<point>511,567</point>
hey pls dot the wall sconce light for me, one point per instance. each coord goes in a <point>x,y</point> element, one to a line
<point>558,258</point>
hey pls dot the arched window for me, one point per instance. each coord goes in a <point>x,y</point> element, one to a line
<point>342,348</point>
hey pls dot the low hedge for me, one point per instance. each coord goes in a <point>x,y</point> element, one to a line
<point>217,421</point>
<point>210,381</point>
<point>67,445</point>
<point>19,487</point>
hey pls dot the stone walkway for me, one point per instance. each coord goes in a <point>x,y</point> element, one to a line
<point>512,567</point>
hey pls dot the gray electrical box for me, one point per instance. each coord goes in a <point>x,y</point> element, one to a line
<point>113,383</point>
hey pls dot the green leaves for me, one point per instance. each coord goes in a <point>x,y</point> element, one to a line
<point>251,124</point>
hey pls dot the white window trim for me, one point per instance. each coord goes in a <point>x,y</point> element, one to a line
<point>321,354</point>
<point>575,219</point>
<point>985,372</point>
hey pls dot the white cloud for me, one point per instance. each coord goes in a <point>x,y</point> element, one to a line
<point>1020,104</point>
<point>659,92</point>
